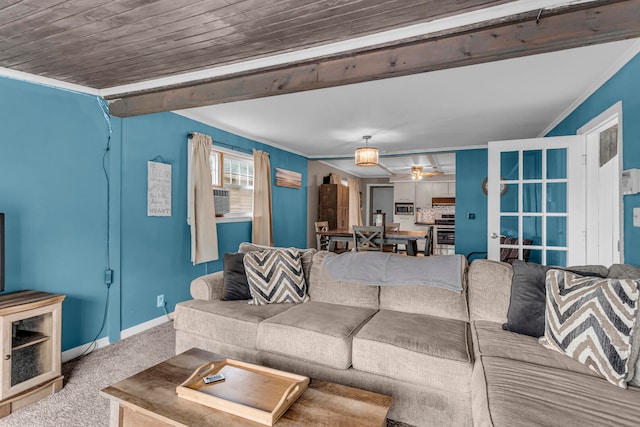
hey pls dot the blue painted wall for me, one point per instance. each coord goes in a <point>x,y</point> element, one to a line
<point>623,86</point>
<point>53,191</point>
<point>471,234</point>
<point>156,250</point>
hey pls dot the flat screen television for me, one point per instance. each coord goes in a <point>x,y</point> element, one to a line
<point>1,252</point>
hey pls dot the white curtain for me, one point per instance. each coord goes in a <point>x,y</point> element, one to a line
<point>262,231</point>
<point>355,214</point>
<point>201,214</point>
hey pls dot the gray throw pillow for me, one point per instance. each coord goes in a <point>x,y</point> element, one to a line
<point>234,285</point>
<point>526,305</point>
<point>527,302</point>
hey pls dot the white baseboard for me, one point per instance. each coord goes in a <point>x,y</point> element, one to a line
<point>72,353</point>
<point>143,326</point>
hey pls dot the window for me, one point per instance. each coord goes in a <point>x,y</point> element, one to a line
<point>233,172</point>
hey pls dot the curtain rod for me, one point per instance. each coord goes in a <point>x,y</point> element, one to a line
<point>224,144</point>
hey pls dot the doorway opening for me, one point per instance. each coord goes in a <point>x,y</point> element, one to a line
<point>380,197</point>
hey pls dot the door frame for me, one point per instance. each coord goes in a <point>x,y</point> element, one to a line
<point>592,128</point>
<point>369,199</point>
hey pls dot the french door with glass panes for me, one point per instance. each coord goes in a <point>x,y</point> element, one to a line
<point>536,200</point>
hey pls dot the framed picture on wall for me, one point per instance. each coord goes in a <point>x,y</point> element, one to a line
<point>287,178</point>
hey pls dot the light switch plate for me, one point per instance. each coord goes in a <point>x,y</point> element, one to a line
<point>636,217</point>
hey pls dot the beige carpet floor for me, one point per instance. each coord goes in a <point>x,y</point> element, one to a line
<point>78,404</point>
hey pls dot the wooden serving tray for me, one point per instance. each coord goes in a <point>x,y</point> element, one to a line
<point>250,391</point>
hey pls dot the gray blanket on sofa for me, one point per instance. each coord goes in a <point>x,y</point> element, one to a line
<point>387,269</point>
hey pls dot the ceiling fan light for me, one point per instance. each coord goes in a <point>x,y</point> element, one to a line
<point>367,156</point>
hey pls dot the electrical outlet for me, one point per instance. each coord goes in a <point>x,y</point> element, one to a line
<point>160,301</point>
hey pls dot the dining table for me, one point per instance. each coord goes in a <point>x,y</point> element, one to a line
<point>409,238</point>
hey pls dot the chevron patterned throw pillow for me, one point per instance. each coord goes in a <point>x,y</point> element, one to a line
<point>592,320</point>
<point>275,276</point>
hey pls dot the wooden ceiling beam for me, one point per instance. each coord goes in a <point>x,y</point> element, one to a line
<point>511,37</point>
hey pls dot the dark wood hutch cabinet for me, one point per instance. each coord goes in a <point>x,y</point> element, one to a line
<point>334,205</point>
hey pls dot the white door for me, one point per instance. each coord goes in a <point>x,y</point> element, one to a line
<point>604,204</point>
<point>536,200</point>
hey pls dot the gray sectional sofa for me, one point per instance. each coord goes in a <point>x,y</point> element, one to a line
<point>442,355</point>
<point>518,382</point>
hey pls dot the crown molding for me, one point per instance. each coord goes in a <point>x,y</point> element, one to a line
<point>209,122</point>
<point>46,81</point>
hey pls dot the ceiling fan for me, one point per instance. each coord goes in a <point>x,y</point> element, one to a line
<point>417,172</point>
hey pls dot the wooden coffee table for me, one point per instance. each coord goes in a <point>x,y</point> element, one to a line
<point>149,398</point>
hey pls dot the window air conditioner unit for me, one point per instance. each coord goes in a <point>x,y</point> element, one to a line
<point>221,201</point>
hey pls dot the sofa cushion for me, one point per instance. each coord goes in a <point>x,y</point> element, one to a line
<point>592,320</point>
<point>306,255</point>
<point>428,300</point>
<point>508,393</point>
<point>527,301</point>
<point>275,276</point>
<point>489,339</point>
<point>489,287</point>
<point>325,288</point>
<point>233,322</point>
<point>416,348</point>
<point>235,285</point>
<point>314,331</point>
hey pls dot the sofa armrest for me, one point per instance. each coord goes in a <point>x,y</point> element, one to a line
<point>207,287</point>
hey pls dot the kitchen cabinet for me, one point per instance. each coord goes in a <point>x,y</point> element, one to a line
<point>404,192</point>
<point>407,222</point>
<point>452,189</point>
<point>443,189</point>
<point>424,193</point>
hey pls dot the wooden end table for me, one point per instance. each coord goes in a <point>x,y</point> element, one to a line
<point>149,398</point>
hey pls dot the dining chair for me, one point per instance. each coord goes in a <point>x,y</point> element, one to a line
<point>511,254</point>
<point>392,226</point>
<point>322,241</point>
<point>367,238</point>
<point>508,255</point>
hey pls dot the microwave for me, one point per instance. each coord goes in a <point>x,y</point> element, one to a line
<point>404,208</point>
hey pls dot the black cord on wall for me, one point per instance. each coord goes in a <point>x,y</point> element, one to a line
<point>108,273</point>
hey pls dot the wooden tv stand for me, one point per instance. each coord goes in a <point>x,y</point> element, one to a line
<point>30,329</point>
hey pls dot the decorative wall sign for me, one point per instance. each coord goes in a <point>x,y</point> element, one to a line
<point>158,189</point>
<point>290,179</point>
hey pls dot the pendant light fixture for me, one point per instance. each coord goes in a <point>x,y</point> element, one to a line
<point>367,156</point>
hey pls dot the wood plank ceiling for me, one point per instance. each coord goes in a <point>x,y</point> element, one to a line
<point>100,44</point>
<point>510,37</point>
